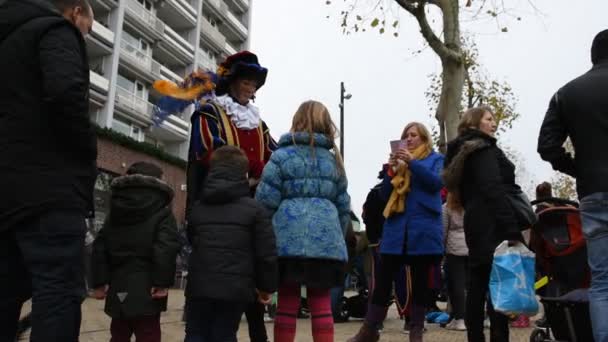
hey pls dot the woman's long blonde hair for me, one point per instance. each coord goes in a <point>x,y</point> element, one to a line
<point>313,117</point>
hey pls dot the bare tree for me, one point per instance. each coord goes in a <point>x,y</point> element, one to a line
<point>446,41</point>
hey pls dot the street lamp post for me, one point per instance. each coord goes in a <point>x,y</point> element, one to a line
<point>343,96</point>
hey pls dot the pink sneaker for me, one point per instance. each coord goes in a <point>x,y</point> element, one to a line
<point>522,321</point>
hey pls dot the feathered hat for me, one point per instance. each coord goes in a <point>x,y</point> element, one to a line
<point>241,65</point>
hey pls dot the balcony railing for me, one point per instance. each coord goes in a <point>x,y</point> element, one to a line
<point>166,72</point>
<point>230,49</point>
<point>212,33</point>
<point>178,41</point>
<point>103,33</point>
<point>186,5</point>
<point>234,21</point>
<point>133,102</point>
<point>141,59</point>
<point>98,82</point>
<point>205,62</point>
<point>145,16</point>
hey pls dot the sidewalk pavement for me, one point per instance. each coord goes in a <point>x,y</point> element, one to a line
<point>96,326</point>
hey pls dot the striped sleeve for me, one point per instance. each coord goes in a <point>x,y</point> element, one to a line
<point>206,134</point>
<point>270,145</point>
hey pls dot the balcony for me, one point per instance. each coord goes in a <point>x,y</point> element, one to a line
<point>98,82</point>
<point>166,73</point>
<point>172,130</point>
<point>212,36</point>
<point>236,29</point>
<point>100,42</point>
<point>178,14</point>
<point>145,21</point>
<point>139,62</point>
<point>174,50</point>
<point>230,50</point>
<point>134,107</point>
<point>104,4</point>
<point>99,87</point>
<point>240,6</point>
<point>204,62</point>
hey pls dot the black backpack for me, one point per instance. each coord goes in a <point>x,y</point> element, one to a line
<point>373,216</point>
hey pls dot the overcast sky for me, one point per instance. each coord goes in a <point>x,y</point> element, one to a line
<point>307,56</point>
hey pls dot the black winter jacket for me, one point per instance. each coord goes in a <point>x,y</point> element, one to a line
<point>480,174</point>
<point>234,248</point>
<point>579,110</point>
<point>47,144</point>
<point>137,247</point>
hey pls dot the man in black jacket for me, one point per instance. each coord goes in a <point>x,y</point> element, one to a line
<point>47,164</point>
<point>579,111</point>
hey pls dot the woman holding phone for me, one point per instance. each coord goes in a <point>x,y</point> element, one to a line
<point>413,230</point>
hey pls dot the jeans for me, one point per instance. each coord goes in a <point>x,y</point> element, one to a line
<point>42,259</point>
<point>477,289</point>
<point>594,215</point>
<point>211,320</point>
<point>456,269</point>
<point>145,328</point>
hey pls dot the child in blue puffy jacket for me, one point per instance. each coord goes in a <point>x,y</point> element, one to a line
<point>304,184</point>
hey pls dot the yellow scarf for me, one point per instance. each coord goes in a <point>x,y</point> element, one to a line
<point>401,183</point>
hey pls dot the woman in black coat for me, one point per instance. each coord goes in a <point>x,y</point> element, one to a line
<point>479,173</point>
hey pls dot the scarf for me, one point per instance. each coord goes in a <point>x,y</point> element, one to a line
<point>401,183</point>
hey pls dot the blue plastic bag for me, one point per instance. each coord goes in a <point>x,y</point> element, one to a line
<point>512,280</point>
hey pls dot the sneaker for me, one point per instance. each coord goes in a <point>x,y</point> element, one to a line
<point>456,324</point>
<point>522,321</point>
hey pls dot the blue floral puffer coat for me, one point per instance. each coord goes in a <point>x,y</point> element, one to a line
<point>307,193</point>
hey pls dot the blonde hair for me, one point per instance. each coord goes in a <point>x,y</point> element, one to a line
<point>423,132</point>
<point>313,117</point>
<point>472,118</point>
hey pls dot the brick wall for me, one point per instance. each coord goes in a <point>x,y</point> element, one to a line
<point>117,159</point>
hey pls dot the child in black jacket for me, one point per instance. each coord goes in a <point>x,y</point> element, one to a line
<point>233,261</point>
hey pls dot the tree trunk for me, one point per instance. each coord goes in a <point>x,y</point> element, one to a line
<point>448,110</point>
<point>453,75</point>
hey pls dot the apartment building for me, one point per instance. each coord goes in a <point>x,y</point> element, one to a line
<point>132,44</point>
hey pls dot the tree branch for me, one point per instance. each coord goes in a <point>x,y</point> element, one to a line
<point>417,9</point>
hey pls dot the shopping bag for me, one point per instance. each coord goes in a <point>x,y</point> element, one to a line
<point>512,280</point>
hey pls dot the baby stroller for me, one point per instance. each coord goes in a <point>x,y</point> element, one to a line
<point>561,256</point>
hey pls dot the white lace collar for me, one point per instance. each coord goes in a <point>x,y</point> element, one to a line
<point>244,117</point>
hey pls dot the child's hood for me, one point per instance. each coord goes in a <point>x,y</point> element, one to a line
<point>137,197</point>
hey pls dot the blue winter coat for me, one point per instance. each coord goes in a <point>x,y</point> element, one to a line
<point>303,187</point>
<point>419,228</point>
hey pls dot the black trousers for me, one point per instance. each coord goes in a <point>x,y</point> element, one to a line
<point>213,320</point>
<point>477,290</point>
<point>385,275</point>
<point>456,271</point>
<point>255,321</point>
<point>42,259</point>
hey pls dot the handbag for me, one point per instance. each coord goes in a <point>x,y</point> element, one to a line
<point>524,213</point>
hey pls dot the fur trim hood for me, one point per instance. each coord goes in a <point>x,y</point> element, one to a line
<point>138,180</point>
<point>459,150</point>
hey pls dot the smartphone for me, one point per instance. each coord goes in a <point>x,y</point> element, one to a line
<point>396,145</point>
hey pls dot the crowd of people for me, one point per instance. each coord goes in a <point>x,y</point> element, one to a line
<point>262,216</point>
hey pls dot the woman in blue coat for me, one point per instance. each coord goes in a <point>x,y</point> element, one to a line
<point>413,231</point>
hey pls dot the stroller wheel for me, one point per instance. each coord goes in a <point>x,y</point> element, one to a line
<point>539,335</point>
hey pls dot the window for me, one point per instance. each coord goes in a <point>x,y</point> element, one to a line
<point>147,4</point>
<point>123,126</point>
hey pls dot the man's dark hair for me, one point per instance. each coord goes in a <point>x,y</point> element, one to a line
<point>64,5</point>
<point>230,156</point>
<point>544,190</point>
<point>599,48</point>
<point>146,169</point>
